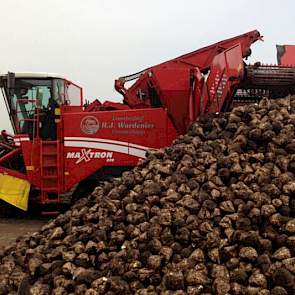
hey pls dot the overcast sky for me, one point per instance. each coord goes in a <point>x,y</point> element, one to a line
<point>93,42</point>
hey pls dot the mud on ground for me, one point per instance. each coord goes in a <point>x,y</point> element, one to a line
<point>12,228</point>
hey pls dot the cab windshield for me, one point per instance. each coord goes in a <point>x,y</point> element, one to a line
<point>30,94</point>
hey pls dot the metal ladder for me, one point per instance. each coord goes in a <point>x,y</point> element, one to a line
<point>50,171</point>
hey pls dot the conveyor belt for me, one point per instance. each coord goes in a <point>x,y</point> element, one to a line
<point>269,77</point>
<point>265,81</point>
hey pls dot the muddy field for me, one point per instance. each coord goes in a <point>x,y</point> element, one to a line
<point>11,228</point>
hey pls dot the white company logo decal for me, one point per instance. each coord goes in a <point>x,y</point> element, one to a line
<point>87,155</point>
<point>125,125</point>
<point>89,125</point>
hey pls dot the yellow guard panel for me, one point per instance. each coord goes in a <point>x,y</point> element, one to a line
<point>14,191</point>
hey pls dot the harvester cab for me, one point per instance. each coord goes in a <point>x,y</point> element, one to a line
<point>33,101</point>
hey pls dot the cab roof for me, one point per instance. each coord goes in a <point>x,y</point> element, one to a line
<point>42,75</point>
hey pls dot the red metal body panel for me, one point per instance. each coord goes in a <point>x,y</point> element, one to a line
<point>286,55</point>
<point>93,140</point>
<point>31,156</point>
<point>174,85</point>
<point>226,71</point>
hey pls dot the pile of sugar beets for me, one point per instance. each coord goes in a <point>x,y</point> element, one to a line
<point>212,214</point>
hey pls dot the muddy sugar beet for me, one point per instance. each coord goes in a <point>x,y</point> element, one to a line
<point>212,214</point>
